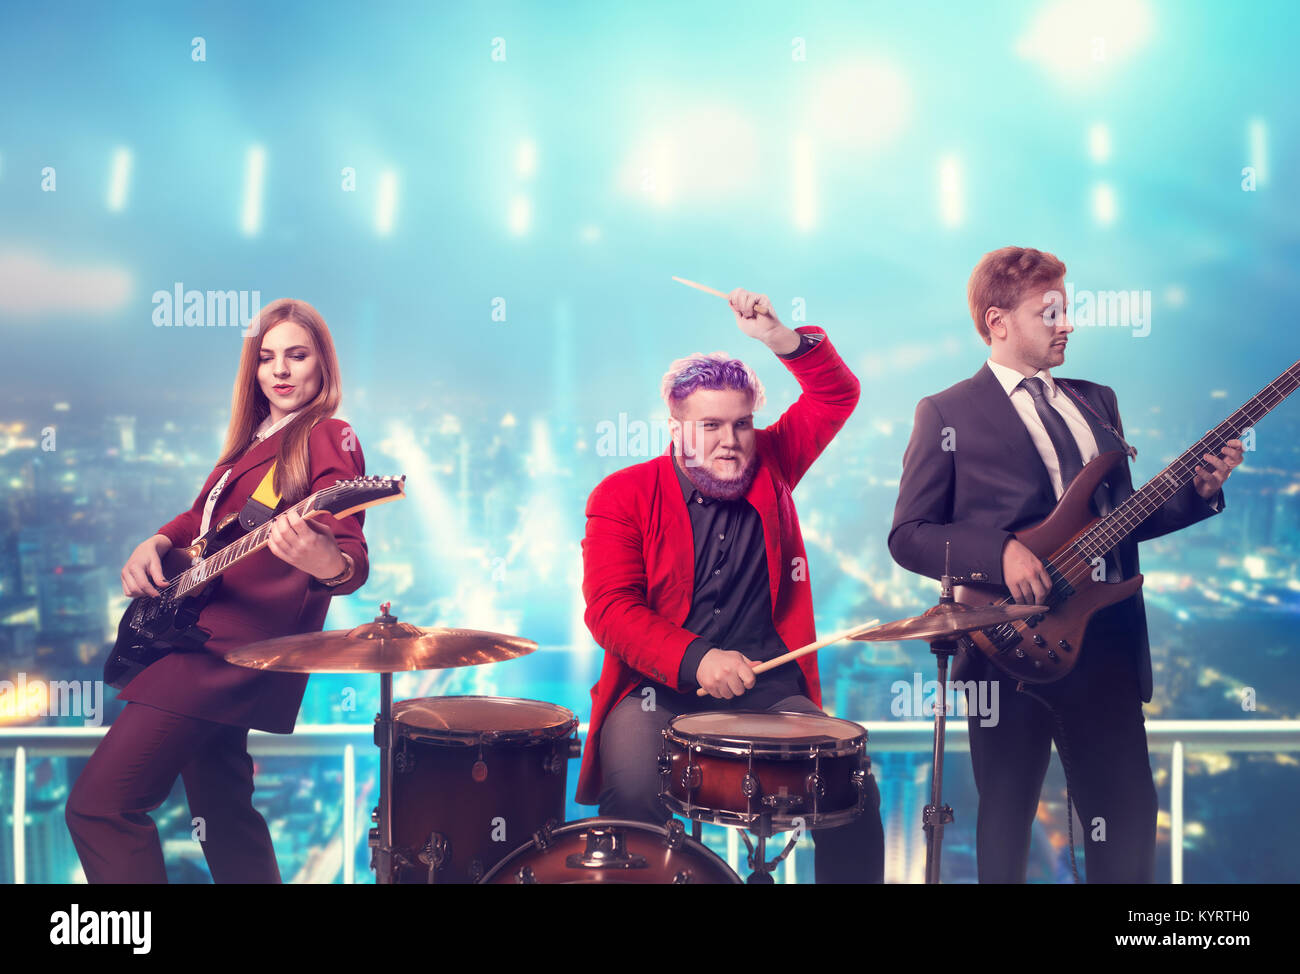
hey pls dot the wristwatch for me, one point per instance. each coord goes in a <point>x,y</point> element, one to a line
<point>342,576</point>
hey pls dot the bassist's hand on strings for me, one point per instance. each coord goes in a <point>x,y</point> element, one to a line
<point>1211,474</point>
<point>1024,575</point>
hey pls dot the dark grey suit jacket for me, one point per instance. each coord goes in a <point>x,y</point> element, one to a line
<point>991,482</point>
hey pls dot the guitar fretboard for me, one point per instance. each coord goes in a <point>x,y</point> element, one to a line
<point>215,564</point>
<point>1119,523</point>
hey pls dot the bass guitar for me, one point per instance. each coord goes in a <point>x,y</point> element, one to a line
<point>1072,543</point>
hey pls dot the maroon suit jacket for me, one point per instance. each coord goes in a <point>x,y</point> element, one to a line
<point>639,554</point>
<point>260,598</point>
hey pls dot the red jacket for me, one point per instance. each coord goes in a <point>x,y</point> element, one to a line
<point>639,554</point>
<point>260,598</point>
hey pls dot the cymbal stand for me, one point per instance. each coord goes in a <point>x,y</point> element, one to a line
<point>936,814</point>
<point>381,838</point>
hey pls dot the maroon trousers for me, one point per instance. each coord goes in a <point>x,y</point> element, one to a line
<point>132,772</point>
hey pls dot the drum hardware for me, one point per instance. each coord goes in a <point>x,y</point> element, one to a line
<point>385,646</point>
<point>434,854</point>
<point>676,834</point>
<point>403,762</point>
<point>606,850</point>
<point>760,868</point>
<point>942,627</point>
<point>542,837</point>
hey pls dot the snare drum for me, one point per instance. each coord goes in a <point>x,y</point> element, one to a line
<point>732,768</point>
<point>612,850</point>
<point>472,778</point>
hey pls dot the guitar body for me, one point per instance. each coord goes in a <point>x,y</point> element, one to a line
<point>1045,648</point>
<point>154,626</point>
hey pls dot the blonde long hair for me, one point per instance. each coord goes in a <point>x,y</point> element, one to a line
<point>249,406</point>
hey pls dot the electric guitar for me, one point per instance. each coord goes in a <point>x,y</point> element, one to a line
<point>154,626</point>
<point>1072,541</point>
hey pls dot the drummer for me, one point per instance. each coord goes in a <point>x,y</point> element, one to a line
<point>694,570</point>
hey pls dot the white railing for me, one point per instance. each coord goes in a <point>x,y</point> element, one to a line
<point>1175,737</point>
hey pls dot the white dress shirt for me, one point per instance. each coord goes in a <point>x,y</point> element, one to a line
<point>1023,403</point>
<point>265,429</point>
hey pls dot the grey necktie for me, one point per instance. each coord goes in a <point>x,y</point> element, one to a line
<point>1067,448</point>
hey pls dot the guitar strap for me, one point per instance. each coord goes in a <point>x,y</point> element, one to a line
<point>1130,450</point>
<point>260,507</point>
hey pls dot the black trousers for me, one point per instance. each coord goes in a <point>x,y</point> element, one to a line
<point>630,742</point>
<point>1101,737</point>
<point>131,773</point>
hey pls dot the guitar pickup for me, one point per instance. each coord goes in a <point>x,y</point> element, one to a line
<point>1003,637</point>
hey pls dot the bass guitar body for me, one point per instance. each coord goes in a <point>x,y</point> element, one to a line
<point>1044,648</point>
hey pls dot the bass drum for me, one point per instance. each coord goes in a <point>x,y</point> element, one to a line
<point>612,850</point>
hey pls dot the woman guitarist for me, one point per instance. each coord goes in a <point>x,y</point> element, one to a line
<point>189,713</point>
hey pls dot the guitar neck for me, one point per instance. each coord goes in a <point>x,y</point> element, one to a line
<point>216,563</point>
<point>1121,522</point>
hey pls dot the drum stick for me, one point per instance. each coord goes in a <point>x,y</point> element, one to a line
<point>803,651</point>
<point>764,307</point>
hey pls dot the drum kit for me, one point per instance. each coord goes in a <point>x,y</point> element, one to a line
<point>464,780</point>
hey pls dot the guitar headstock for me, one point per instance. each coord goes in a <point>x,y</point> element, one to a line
<point>349,496</point>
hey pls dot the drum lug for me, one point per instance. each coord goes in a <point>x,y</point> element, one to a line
<point>543,837</point>
<point>434,854</point>
<point>815,786</point>
<point>682,878</point>
<point>403,761</point>
<point>476,870</point>
<point>860,780</point>
<point>556,762</point>
<point>525,876</point>
<point>691,777</point>
<point>676,837</point>
<point>749,785</point>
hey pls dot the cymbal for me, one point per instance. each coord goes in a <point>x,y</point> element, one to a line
<point>382,646</point>
<point>948,619</point>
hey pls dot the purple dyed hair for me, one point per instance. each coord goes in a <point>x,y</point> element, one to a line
<point>714,371</point>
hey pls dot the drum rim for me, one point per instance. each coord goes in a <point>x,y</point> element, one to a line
<point>769,747</point>
<point>726,818</point>
<point>578,824</point>
<point>447,735</point>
